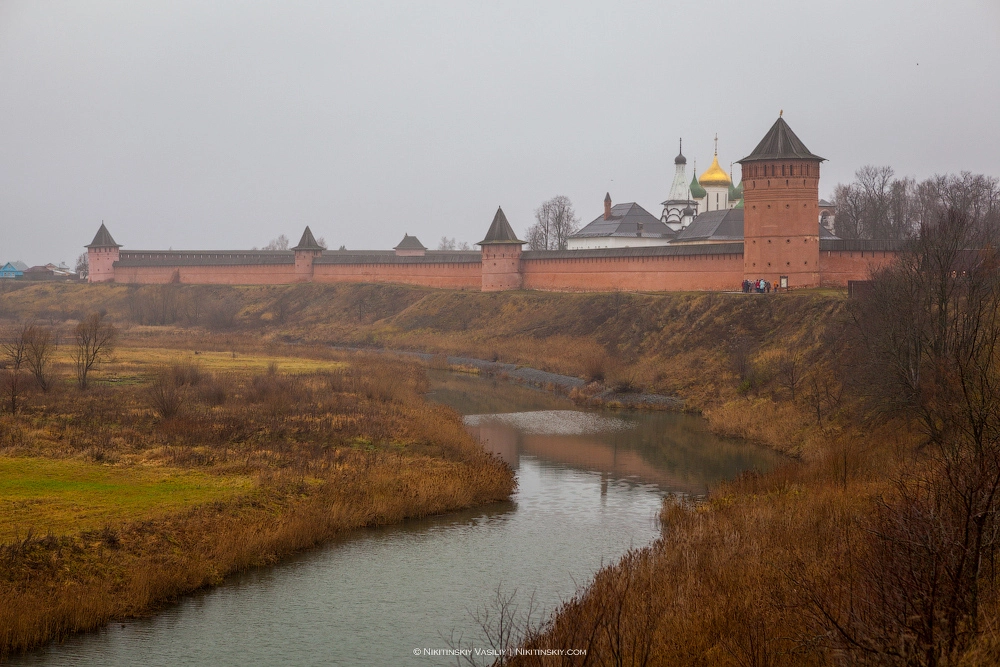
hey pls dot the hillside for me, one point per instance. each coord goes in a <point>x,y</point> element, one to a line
<point>709,348</point>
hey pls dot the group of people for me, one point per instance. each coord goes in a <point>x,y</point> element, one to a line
<point>759,286</point>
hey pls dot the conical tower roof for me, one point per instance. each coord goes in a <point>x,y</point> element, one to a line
<point>500,231</point>
<point>780,143</point>
<point>103,239</point>
<point>410,243</point>
<point>308,241</point>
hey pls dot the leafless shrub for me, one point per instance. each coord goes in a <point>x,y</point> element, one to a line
<point>186,375</point>
<point>213,392</point>
<point>95,339</point>
<point>14,348</point>
<point>790,370</point>
<point>165,396</point>
<point>40,349</point>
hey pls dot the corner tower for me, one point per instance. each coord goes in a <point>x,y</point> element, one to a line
<point>501,256</point>
<point>781,209</point>
<point>306,252</point>
<point>102,253</point>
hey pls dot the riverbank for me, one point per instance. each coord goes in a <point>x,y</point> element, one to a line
<point>180,467</point>
<point>754,574</point>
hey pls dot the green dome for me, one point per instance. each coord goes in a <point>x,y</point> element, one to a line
<point>697,191</point>
<point>740,205</point>
<point>735,192</point>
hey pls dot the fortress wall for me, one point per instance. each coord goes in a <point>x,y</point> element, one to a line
<point>256,274</point>
<point>447,275</point>
<point>838,266</point>
<point>655,273</point>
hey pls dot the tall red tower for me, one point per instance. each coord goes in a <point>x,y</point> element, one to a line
<point>781,209</point>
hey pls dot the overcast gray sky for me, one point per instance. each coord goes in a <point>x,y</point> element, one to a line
<point>221,125</point>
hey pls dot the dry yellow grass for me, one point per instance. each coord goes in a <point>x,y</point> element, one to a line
<point>111,506</point>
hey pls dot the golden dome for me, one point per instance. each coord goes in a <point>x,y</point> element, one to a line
<point>715,176</point>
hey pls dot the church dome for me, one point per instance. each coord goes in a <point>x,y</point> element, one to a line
<point>715,176</point>
<point>680,159</point>
<point>697,191</point>
<point>735,192</point>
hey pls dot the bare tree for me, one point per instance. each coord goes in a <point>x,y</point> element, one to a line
<point>446,243</point>
<point>38,354</point>
<point>95,339</point>
<point>15,351</point>
<point>877,205</point>
<point>914,573</point>
<point>280,243</point>
<point>790,371</point>
<point>555,222</point>
<point>83,266</point>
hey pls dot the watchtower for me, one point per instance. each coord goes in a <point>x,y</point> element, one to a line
<point>305,253</point>
<point>102,253</point>
<point>501,256</point>
<point>781,209</point>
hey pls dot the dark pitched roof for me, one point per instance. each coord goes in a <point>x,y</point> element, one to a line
<point>624,222</point>
<point>383,257</point>
<point>308,241</point>
<point>410,243</point>
<point>735,248</point>
<point>860,245</point>
<point>500,231</point>
<point>103,239</point>
<point>724,225</point>
<point>133,258</point>
<point>780,143</point>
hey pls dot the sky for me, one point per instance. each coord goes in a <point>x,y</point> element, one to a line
<point>220,125</point>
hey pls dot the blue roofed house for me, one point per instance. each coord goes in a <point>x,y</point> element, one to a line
<point>13,270</point>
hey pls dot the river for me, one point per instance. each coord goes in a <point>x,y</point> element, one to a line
<point>590,485</point>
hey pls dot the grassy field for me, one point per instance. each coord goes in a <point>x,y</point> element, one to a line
<point>62,496</point>
<point>194,455</point>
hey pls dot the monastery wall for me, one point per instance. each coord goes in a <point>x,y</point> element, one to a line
<point>258,274</point>
<point>634,273</point>
<point>445,275</point>
<point>836,267</point>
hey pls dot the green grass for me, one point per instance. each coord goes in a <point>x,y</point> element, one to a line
<point>67,496</point>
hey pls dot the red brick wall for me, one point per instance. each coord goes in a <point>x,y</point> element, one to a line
<point>676,273</point>
<point>667,273</point>
<point>837,267</point>
<point>257,274</point>
<point>447,275</point>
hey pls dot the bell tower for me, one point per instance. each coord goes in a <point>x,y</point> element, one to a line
<point>781,209</point>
